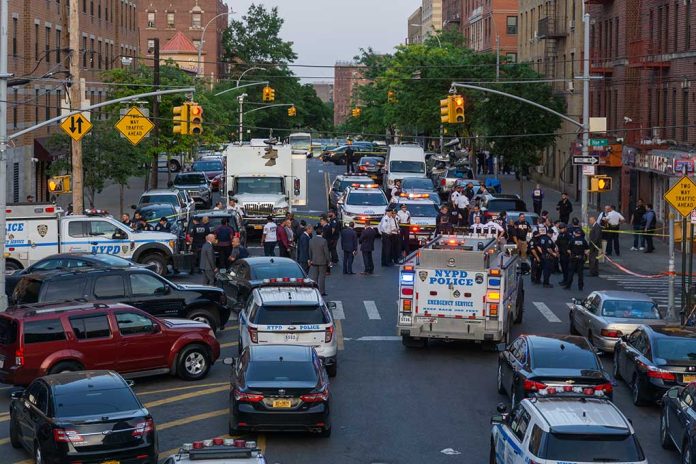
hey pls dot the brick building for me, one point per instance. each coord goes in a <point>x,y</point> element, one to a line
<point>38,47</point>
<point>489,24</point>
<point>452,14</point>
<point>163,19</point>
<point>431,17</point>
<point>347,75</point>
<point>325,91</point>
<point>415,26</point>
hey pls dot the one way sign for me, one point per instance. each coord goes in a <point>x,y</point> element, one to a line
<point>585,160</point>
<point>76,126</point>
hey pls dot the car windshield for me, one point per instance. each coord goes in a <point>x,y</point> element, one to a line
<point>260,185</point>
<point>286,371</point>
<point>407,166</point>
<point>203,166</point>
<point>630,309</point>
<point>150,214</point>
<point>675,348</point>
<point>284,315</point>
<point>275,270</point>
<point>190,179</point>
<point>215,221</point>
<point>111,260</point>
<point>414,183</point>
<point>427,210</point>
<point>95,402</point>
<point>368,161</point>
<point>556,358</point>
<point>505,205</point>
<point>352,183</point>
<point>591,448</point>
<point>366,199</point>
<point>168,199</point>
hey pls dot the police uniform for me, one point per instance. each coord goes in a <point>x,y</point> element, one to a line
<point>521,231</point>
<point>563,244</point>
<point>537,198</point>
<point>535,258</point>
<point>547,251</point>
<point>578,247</point>
<point>198,234</point>
<point>404,218</point>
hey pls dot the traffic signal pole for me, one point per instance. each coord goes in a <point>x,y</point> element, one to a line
<point>4,76</point>
<point>584,196</point>
<point>75,102</point>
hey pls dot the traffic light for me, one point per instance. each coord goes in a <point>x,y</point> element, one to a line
<point>292,111</point>
<point>447,110</point>
<point>59,184</point>
<point>356,112</point>
<point>268,94</point>
<point>391,96</point>
<point>600,184</point>
<point>181,119</point>
<point>195,114</point>
<point>459,103</point>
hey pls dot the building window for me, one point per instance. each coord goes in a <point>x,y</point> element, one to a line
<point>99,54</point>
<point>36,105</point>
<point>170,20</point>
<point>58,43</point>
<point>59,103</point>
<point>685,116</point>
<point>687,26</point>
<point>196,44</point>
<point>91,7</point>
<point>150,20</point>
<point>511,57</point>
<point>47,45</point>
<point>512,24</point>
<point>674,113</point>
<point>14,36</point>
<point>47,108</point>
<point>15,107</point>
<point>84,6</point>
<point>91,53</point>
<point>99,10</point>
<point>84,52</point>
<point>150,46</point>
<point>196,20</point>
<point>36,41</point>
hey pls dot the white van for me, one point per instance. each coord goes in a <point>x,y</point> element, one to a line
<point>404,161</point>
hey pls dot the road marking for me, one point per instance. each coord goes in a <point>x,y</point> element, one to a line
<point>376,338</point>
<point>339,335</point>
<point>230,327</point>
<point>546,312</point>
<point>196,418</point>
<point>371,308</point>
<point>189,387</point>
<point>4,441</point>
<point>338,313</point>
<point>185,396</point>
<point>326,188</point>
<point>229,344</point>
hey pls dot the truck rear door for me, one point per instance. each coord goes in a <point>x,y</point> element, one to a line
<point>452,293</point>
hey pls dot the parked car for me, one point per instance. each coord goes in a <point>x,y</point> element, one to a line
<point>156,211</point>
<point>604,316</point>
<point>342,182</point>
<point>179,199</point>
<point>653,359</point>
<point>492,206</point>
<point>373,167</point>
<point>338,155</point>
<point>448,179</point>
<point>678,421</point>
<point>212,167</point>
<point>42,339</point>
<point>279,388</point>
<point>535,362</point>
<point>137,287</point>
<point>90,416</point>
<point>419,187</point>
<point>197,186</point>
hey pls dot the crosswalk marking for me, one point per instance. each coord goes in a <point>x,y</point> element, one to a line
<point>546,312</point>
<point>338,313</point>
<point>371,308</point>
<point>657,289</point>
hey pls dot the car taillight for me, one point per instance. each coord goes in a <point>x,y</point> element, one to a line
<point>316,397</point>
<point>407,291</point>
<point>655,373</point>
<point>247,397</point>
<point>605,387</point>
<point>253,335</point>
<point>67,436</point>
<point>362,168</point>
<point>19,357</point>
<point>143,428</point>
<point>610,333</point>
<point>328,334</point>
<point>531,386</point>
<point>443,182</point>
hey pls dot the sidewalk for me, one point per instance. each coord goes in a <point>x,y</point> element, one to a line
<point>635,261</point>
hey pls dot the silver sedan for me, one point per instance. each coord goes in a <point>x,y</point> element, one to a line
<point>604,316</point>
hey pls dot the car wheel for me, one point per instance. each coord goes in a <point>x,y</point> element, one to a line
<point>499,379</point>
<point>325,432</point>
<point>15,439</point>
<point>616,370</point>
<point>572,329</point>
<point>665,439</point>
<point>410,342</point>
<point>206,316</point>
<point>332,370</point>
<point>194,363</point>
<point>38,455</point>
<point>637,392</point>
<point>12,266</point>
<point>520,307</point>
<point>65,366</point>
<point>686,453</point>
<point>156,261</point>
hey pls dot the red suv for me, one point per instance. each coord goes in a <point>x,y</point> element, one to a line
<point>41,339</point>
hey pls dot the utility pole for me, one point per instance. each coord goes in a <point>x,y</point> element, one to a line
<point>497,57</point>
<point>155,116</point>
<point>584,197</point>
<point>76,103</point>
<point>240,99</point>
<point>4,76</point>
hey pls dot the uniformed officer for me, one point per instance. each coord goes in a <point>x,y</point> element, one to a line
<point>537,198</point>
<point>578,249</point>
<point>404,218</point>
<point>563,245</point>
<point>198,233</point>
<point>547,252</point>
<point>535,256</point>
<point>522,228</point>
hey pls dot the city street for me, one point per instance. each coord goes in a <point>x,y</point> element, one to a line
<point>390,404</point>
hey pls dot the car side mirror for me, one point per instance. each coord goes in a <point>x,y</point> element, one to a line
<point>156,328</point>
<point>229,361</point>
<point>331,305</point>
<point>500,347</point>
<point>17,394</point>
<point>130,383</point>
<point>499,419</point>
<point>672,393</point>
<point>119,235</point>
<point>574,300</point>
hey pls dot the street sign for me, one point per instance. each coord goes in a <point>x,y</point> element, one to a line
<point>589,170</point>
<point>682,196</point>
<point>599,142</point>
<point>585,160</point>
<point>76,126</point>
<point>134,125</point>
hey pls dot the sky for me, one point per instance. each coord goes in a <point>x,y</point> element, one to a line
<point>326,31</point>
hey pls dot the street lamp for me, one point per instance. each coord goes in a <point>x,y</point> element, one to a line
<point>246,71</point>
<point>439,43</point>
<point>200,43</point>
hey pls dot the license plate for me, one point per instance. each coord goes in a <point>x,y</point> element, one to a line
<point>291,337</point>
<point>282,404</point>
<point>689,378</point>
<point>258,227</point>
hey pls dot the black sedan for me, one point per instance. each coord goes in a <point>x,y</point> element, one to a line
<point>87,416</point>
<point>533,363</point>
<point>373,166</point>
<point>678,421</point>
<point>69,261</point>
<point>653,359</point>
<point>247,274</point>
<point>279,388</point>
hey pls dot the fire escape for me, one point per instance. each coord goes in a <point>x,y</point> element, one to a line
<point>552,29</point>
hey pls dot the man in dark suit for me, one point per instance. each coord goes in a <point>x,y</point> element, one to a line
<point>367,246</point>
<point>208,260</point>
<point>349,245</point>
<point>303,247</point>
<point>595,245</point>
<point>319,259</point>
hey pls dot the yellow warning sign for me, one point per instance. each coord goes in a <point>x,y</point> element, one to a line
<point>76,126</point>
<point>682,196</point>
<point>134,125</point>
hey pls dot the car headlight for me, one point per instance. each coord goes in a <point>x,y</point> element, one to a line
<point>172,244</point>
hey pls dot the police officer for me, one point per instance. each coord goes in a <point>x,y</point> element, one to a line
<point>522,228</point>
<point>163,225</point>
<point>197,238</point>
<point>535,256</point>
<point>547,253</point>
<point>578,249</point>
<point>537,199</point>
<point>563,245</point>
<point>333,237</point>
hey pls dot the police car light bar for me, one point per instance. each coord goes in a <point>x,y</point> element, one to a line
<point>368,186</point>
<point>598,391</point>
<point>289,281</point>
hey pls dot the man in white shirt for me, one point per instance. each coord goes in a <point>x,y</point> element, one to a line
<point>233,206</point>
<point>389,229</point>
<point>490,228</point>
<point>403,216</point>
<point>462,205</point>
<point>270,237</point>
<point>611,220</point>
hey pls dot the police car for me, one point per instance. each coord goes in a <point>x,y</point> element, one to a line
<point>289,311</point>
<point>362,205</point>
<point>423,211</point>
<point>218,451</point>
<point>342,182</point>
<point>564,425</point>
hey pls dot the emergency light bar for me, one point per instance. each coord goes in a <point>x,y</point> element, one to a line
<point>288,281</point>
<point>219,448</point>
<point>571,391</point>
<point>370,186</point>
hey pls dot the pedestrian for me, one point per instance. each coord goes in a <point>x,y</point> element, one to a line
<point>218,206</point>
<point>349,160</point>
<point>575,225</point>
<point>126,220</point>
<point>404,218</point>
<point>563,245</point>
<point>139,222</point>
<point>163,225</point>
<point>462,205</point>
<point>578,250</point>
<point>469,191</point>
<point>224,235</point>
<point>303,247</point>
<point>535,257</point>
<point>296,227</point>
<point>548,253</point>
<point>611,223</point>
<point>367,246</point>
<point>649,223</point>
<point>475,212</point>
<point>395,238</point>
<point>196,240</point>
<point>233,206</point>
<point>349,245</point>
<point>537,199</point>
<point>387,227</point>
<point>638,226</point>
<point>564,208</point>
<point>283,240</point>
<point>207,263</point>
<point>319,260</point>
<point>522,228</point>
<point>595,245</point>
<point>291,236</point>
<point>480,162</point>
<point>334,235</point>
<point>269,237</point>
<point>443,222</point>
<point>238,251</point>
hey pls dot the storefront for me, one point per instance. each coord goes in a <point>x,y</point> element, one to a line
<point>610,163</point>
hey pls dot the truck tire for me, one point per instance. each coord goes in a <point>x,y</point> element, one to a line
<point>156,259</point>
<point>12,266</point>
<point>519,311</point>
<point>205,315</point>
<point>410,342</point>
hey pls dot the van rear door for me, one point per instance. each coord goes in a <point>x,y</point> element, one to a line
<point>453,293</point>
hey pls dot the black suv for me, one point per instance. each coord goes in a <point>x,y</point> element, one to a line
<point>136,287</point>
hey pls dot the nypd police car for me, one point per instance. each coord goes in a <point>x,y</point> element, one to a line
<point>289,311</point>
<point>362,205</point>
<point>564,426</point>
<point>342,182</point>
<point>423,213</point>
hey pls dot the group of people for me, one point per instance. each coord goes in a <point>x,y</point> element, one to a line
<point>138,222</point>
<point>205,242</point>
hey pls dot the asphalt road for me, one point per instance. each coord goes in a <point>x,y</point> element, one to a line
<point>390,404</point>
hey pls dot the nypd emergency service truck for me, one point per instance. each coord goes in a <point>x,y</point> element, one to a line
<point>35,231</point>
<point>459,287</point>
